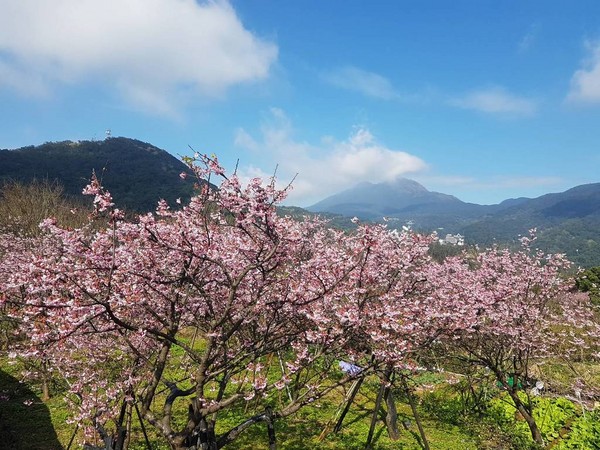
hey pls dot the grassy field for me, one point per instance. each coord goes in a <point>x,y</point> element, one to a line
<point>28,423</point>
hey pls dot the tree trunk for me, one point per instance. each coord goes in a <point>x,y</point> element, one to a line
<point>391,418</point>
<point>413,407</point>
<point>121,430</point>
<point>368,445</point>
<point>45,389</point>
<point>45,383</point>
<point>203,439</point>
<point>528,416</point>
<point>207,436</point>
<point>271,429</point>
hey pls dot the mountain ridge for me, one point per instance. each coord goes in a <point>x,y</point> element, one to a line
<point>137,173</point>
<point>566,221</point>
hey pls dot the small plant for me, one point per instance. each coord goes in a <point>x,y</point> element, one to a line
<point>589,281</point>
<point>584,433</point>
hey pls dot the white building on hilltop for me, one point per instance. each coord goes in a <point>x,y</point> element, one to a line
<point>453,239</point>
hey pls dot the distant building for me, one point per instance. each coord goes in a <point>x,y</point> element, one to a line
<point>453,239</point>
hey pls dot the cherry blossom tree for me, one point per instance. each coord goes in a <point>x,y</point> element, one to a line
<point>509,311</point>
<point>183,314</point>
<point>398,309</point>
<point>22,207</point>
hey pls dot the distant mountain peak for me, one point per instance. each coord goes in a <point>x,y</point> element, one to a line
<point>368,200</point>
<point>406,184</point>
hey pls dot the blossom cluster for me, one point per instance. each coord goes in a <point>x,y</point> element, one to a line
<point>267,298</point>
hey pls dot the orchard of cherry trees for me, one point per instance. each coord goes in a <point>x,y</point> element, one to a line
<point>179,316</point>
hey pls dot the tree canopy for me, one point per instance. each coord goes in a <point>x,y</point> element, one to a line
<point>245,304</point>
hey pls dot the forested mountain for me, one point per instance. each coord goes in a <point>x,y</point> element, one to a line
<point>136,173</point>
<point>550,210</point>
<point>406,200</point>
<point>567,222</point>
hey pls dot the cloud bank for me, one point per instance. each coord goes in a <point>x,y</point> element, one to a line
<point>367,83</point>
<point>585,83</point>
<point>327,167</point>
<point>495,100</point>
<point>154,52</point>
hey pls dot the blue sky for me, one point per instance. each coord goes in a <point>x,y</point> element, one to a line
<point>485,100</point>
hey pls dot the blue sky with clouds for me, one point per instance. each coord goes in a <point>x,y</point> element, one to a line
<point>485,100</point>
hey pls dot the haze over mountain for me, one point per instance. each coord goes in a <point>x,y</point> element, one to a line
<point>373,200</point>
<point>547,211</point>
<point>568,222</point>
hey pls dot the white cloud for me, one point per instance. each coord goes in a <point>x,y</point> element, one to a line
<point>529,39</point>
<point>327,167</point>
<point>26,84</point>
<point>358,80</point>
<point>585,83</point>
<point>150,50</point>
<point>496,100</point>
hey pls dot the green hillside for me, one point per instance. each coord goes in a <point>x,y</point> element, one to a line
<point>136,173</point>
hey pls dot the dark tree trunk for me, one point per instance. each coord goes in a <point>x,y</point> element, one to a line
<point>391,418</point>
<point>206,435</point>
<point>121,429</point>
<point>271,429</point>
<point>368,445</point>
<point>528,416</point>
<point>413,407</point>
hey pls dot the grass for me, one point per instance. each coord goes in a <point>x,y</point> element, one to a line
<point>303,430</point>
<point>26,422</point>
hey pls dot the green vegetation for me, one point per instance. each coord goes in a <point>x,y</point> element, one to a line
<point>578,238</point>
<point>459,406</point>
<point>458,412</point>
<point>139,174</point>
<point>439,252</point>
<point>136,173</point>
<point>589,281</point>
